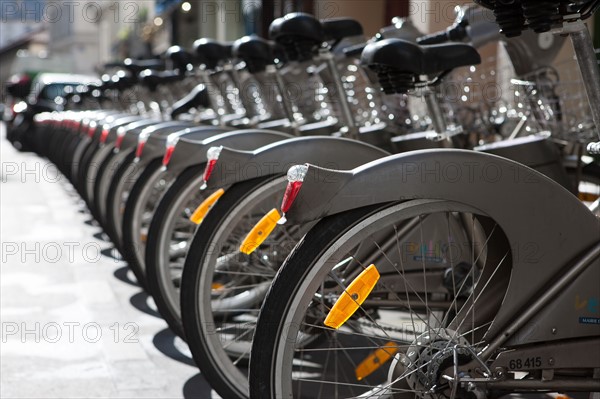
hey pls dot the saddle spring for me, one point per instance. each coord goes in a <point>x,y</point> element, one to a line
<point>394,81</point>
<point>297,49</point>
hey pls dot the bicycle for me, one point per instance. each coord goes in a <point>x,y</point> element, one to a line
<point>171,230</point>
<point>451,288</point>
<point>213,300</point>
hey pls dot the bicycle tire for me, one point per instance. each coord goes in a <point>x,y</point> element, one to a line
<point>153,253</point>
<point>103,169</point>
<point>296,274</point>
<point>129,245</point>
<point>122,172</point>
<point>212,361</point>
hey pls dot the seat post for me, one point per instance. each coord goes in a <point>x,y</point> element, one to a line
<point>438,120</point>
<point>588,65</point>
<point>286,103</point>
<point>237,82</point>
<point>348,119</point>
<point>435,111</point>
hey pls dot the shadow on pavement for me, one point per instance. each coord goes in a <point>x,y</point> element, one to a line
<point>111,252</point>
<point>92,222</point>
<point>165,340</point>
<point>140,302</point>
<point>196,388</point>
<point>123,274</point>
<point>101,236</point>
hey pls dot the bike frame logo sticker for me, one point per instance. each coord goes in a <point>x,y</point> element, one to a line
<point>432,252</point>
<point>589,305</point>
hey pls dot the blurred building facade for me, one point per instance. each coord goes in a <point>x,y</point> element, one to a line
<point>81,36</point>
<point>84,35</point>
<point>23,34</point>
<point>97,32</point>
<point>181,22</point>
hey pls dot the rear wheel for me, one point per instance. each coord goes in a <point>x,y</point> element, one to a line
<point>169,237</point>
<point>222,289</point>
<point>94,170</point>
<point>77,160</point>
<point>67,160</point>
<point>124,174</point>
<point>444,270</point>
<point>106,171</point>
<point>84,164</point>
<point>138,212</point>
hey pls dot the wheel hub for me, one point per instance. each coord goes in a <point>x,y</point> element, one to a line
<point>425,361</point>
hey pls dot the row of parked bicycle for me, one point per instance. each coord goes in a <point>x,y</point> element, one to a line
<point>310,233</point>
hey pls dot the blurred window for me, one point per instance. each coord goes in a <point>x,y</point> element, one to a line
<point>53,90</point>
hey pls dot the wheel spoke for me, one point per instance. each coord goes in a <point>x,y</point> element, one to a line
<point>424,307</point>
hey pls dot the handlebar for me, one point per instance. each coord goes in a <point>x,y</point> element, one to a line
<point>434,38</point>
<point>355,51</point>
<point>594,148</point>
<point>454,33</point>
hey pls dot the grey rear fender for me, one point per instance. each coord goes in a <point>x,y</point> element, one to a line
<point>193,152</point>
<point>276,158</point>
<point>131,132</point>
<point>114,124</point>
<point>140,124</point>
<point>155,130</point>
<point>156,139</point>
<point>545,224</point>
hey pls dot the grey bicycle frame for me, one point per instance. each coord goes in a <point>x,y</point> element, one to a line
<point>549,228</point>
<point>332,152</point>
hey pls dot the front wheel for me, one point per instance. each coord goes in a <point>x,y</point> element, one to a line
<point>444,270</point>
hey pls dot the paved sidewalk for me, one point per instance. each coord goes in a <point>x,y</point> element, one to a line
<point>73,321</point>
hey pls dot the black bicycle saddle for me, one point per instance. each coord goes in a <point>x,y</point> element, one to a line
<point>297,25</point>
<point>179,57</point>
<point>123,81</point>
<point>211,52</point>
<point>399,63</point>
<point>151,79</point>
<point>255,51</point>
<point>419,60</point>
<point>340,28</point>
<point>137,66</point>
<point>299,35</point>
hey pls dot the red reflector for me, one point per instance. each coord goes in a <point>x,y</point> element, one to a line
<point>210,166</point>
<point>168,154</point>
<point>139,149</point>
<point>104,135</point>
<point>91,131</point>
<point>291,191</point>
<point>119,141</point>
